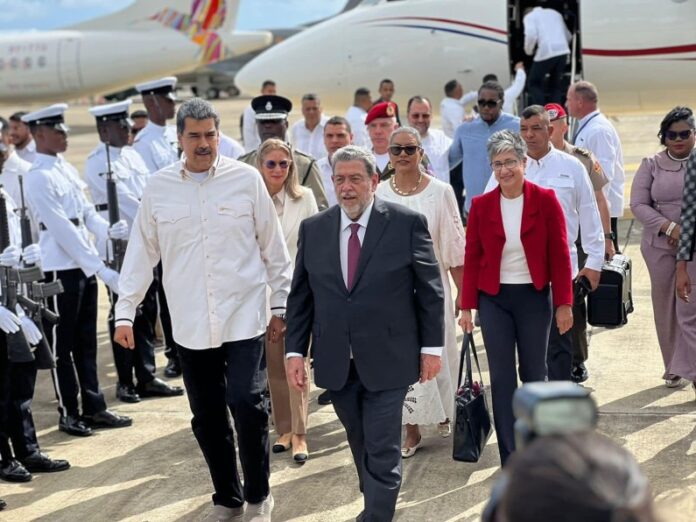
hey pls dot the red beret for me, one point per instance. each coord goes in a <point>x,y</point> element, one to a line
<point>381,110</point>
<point>555,111</point>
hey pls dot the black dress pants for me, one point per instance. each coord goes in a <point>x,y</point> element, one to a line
<point>74,343</point>
<point>516,321</point>
<point>372,420</point>
<point>457,182</point>
<point>553,93</point>
<point>231,376</point>
<point>140,360</point>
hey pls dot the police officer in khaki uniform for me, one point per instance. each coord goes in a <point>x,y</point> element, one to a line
<point>598,180</point>
<point>272,121</point>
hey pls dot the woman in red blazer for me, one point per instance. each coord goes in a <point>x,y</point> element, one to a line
<point>516,259</point>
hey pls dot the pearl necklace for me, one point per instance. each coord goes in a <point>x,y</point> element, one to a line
<point>406,192</point>
<point>677,159</point>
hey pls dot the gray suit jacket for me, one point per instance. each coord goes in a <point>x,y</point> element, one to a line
<point>395,307</point>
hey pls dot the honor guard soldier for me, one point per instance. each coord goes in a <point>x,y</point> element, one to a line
<point>12,167</point>
<point>157,144</point>
<point>56,197</point>
<point>272,121</point>
<point>126,169</point>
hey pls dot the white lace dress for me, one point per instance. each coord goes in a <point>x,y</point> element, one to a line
<point>434,401</point>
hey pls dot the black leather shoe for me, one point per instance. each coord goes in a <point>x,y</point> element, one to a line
<point>107,419</point>
<point>173,368</point>
<point>39,462</point>
<point>74,426</point>
<point>579,373</point>
<point>13,471</point>
<point>127,393</point>
<point>158,388</point>
<point>324,398</point>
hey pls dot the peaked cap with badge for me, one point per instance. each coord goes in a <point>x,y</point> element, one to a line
<point>51,116</point>
<point>271,107</point>
<point>163,87</point>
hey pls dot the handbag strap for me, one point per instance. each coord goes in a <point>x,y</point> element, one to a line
<point>467,342</point>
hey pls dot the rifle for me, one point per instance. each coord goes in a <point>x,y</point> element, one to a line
<point>18,349</point>
<point>36,301</point>
<point>118,246</point>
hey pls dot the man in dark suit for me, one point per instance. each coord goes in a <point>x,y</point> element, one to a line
<point>367,289</point>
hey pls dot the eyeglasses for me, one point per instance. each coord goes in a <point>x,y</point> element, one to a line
<point>410,150</point>
<point>283,164</point>
<point>488,103</point>
<point>508,164</point>
<point>682,135</point>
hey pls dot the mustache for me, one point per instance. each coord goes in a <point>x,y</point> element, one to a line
<point>203,150</point>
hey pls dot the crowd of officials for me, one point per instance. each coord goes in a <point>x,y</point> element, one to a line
<point>334,244</point>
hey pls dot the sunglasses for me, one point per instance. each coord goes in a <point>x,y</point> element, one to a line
<point>488,103</point>
<point>270,164</point>
<point>682,135</point>
<point>396,150</point>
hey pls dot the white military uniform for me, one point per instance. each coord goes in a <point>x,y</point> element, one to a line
<point>596,134</point>
<point>157,145</point>
<point>436,145</point>
<point>28,153</point>
<point>13,168</point>
<point>356,117</point>
<point>229,147</point>
<point>309,142</point>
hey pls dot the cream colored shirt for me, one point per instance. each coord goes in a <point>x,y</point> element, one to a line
<point>514,269</point>
<point>220,243</point>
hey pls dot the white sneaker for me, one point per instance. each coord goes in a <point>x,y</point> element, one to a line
<point>261,512</point>
<point>225,514</point>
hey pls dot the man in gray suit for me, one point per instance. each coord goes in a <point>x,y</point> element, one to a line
<point>367,289</point>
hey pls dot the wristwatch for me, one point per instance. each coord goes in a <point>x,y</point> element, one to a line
<point>610,235</point>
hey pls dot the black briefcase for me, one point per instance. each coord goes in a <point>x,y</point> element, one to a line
<point>611,303</point>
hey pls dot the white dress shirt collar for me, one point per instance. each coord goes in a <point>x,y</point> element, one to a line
<point>587,118</point>
<point>362,220</point>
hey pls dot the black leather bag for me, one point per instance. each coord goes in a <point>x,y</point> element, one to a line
<point>610,304</point>
<point>472,427</point>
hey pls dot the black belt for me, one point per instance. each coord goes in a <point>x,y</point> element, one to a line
<point>101,207</point>
<point>74,221</point>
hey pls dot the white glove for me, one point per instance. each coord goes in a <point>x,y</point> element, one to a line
<point>110,278</point>
<point>32,254</point>
<point>10,256</point>
<point>119,230</point>
<point>31,332</point>
<point>9,322</point>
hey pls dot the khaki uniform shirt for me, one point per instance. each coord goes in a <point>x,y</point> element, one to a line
<point>589,161</point>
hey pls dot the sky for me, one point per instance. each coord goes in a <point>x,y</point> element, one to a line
<point>253,14</point>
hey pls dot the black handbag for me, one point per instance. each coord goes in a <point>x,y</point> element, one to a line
<point>472,427</point>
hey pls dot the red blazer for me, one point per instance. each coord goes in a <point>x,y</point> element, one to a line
<point>544,239</point>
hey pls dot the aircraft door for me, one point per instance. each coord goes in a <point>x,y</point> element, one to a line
<point>69,74</point>
<point>570,9</point>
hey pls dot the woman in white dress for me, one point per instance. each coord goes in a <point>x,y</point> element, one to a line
<point>432,402</point>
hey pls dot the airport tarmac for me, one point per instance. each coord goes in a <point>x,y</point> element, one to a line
<point>154,471</point>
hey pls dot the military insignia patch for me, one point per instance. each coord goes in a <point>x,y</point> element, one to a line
<point>390,110</point>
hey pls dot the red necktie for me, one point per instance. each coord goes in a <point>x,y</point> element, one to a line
<point>353,253</point>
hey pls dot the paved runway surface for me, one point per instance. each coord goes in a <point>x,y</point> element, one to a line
<point>154,471</point>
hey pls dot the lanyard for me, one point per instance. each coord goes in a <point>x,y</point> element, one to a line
<point>575,136</point>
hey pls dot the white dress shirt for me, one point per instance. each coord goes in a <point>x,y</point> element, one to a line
<point>597,134</point>
<point>157,145</point>
<point>326,172</point>
<point>55,194</point>
<point>546,30</point>
<point>309,141</point>
<point>250,132</point>
<point>229,147</point>
<point>220,243</point>
<point>451,115</point>
<point>569,180</point>
<point>28,153</point>
<point>356,117</point>
<point>436,145</point>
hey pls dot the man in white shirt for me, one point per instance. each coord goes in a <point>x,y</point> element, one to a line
<point>229,147</point>
<point>21,138</point>
<point>356,114</point>
<point>307,134</point>
<point>381,122</point>
<point>567,177</point>
<point>434,141</point>
<point>250,131</point>
<point>337,134</point>
<point>595,133</point>
<point>213,225</point>
<point>511,93</point>
<point>545,30</point>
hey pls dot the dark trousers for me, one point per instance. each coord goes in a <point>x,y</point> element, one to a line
<point>518,317</point>
<point>457,182</point>
<point>140,360</point>
<point>170,350</point>
<point>559,355</point>
<point>553,93</point>
<point>232,376</point>
<point>17,382</point>
<point>615,230</point>
<point>74,343</point>
<point>578,333</point>
<point>373,425</point>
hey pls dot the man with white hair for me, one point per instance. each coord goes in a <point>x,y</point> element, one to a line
<point>435,143</point>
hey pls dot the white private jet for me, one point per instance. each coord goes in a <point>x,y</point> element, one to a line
<point>640,53</point>
<point>148,39</point>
